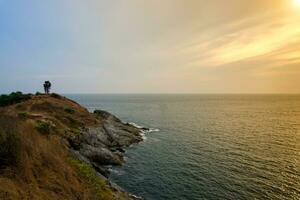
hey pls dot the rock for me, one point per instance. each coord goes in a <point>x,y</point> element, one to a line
<point>145,129</point>
<point>120,149</point>
<point>117,133</point>
<point>106,115</point>
<point>100,156</point>
<point>103,145</point>
<point>101,169</point>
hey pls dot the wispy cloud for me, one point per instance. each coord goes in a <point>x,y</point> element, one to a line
<point>273,38</point>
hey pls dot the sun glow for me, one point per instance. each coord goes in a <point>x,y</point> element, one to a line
<point>297,3</point>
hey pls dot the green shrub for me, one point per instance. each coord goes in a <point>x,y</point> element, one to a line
<point>90,176</point>
<point>57,96</point>
<point>9,148</point>
<point>69,110</point>
<point>38,93</point>
<point>42,127</point>
<point>22,115</point>
<point>13,98</point>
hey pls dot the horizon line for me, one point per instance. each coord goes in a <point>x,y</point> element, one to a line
<point>160,93</point>
<point>168,93</point>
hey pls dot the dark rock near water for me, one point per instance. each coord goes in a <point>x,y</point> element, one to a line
<point>102,156</point>
<point>103,145</point>
<point>145,129</point>
<point>119,149</point>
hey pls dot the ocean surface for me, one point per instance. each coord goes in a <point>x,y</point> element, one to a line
<point>209,146</point>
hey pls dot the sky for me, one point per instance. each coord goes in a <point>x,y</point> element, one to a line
<point>150,46</point>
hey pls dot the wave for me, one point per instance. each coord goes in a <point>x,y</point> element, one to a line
<point>115,171</point>
<point>143,136</point>
<point>136,125</point>
<point>144,130</point>
<point>153,130</point>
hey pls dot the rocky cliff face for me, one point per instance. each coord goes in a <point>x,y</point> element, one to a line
<point>53,148</point>
<point>104,144</point>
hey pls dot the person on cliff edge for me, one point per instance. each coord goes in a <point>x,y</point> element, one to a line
<point>47,87</point>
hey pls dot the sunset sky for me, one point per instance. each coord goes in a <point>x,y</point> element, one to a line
<point>150,46</point>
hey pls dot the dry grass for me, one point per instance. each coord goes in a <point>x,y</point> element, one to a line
<point>40,167</point>
<point>9,142</point>
<point>41,171</point>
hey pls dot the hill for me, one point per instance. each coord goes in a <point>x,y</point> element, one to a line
<point>53,148</point>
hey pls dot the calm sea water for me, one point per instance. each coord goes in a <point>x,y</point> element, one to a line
<point>209,146</point>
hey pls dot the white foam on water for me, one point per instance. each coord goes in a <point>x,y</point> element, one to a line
<point>118,172</point>
<point>125,158</point>
<point>153,130</point>
<point>143,130</point>
<point>143,136</point>
<point>135,125</point>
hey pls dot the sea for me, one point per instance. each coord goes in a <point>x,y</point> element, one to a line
<point>210,147</point>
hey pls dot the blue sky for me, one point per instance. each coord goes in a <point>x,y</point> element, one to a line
<point>133,46</point>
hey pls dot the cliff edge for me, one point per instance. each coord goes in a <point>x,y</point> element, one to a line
<point>53,148</point>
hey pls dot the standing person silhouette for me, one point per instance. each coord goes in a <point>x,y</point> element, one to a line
<point>47,87</point>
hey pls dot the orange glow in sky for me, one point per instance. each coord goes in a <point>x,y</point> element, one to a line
<point>297,3</point>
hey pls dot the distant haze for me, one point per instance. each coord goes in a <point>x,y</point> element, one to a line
<point>150,46</point>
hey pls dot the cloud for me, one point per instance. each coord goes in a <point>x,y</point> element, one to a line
<point>270,37</point>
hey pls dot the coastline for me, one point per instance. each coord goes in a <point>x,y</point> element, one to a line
<point>104,173</point>
<point>119,150</point>
<point>83,145</point>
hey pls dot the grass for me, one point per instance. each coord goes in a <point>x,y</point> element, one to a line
<point>13,98</point>
<point>9,149</point>
<point>69,110</point>
<point>100,187</point>
<point>10,142</point>
<point>23,115</point>
<point>42,127</point>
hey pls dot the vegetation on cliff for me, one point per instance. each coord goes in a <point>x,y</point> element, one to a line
<point>37,134</point>
<point>14,97</point>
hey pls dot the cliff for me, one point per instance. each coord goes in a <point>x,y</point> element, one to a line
<point>53,148</point>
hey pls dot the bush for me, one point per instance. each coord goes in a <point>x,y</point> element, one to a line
<point>22,115</point>
<point>38,93</point>
<point>43,127</point>
<point>69,110</point>
<point>57,96</point>
<point>13,98</point>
